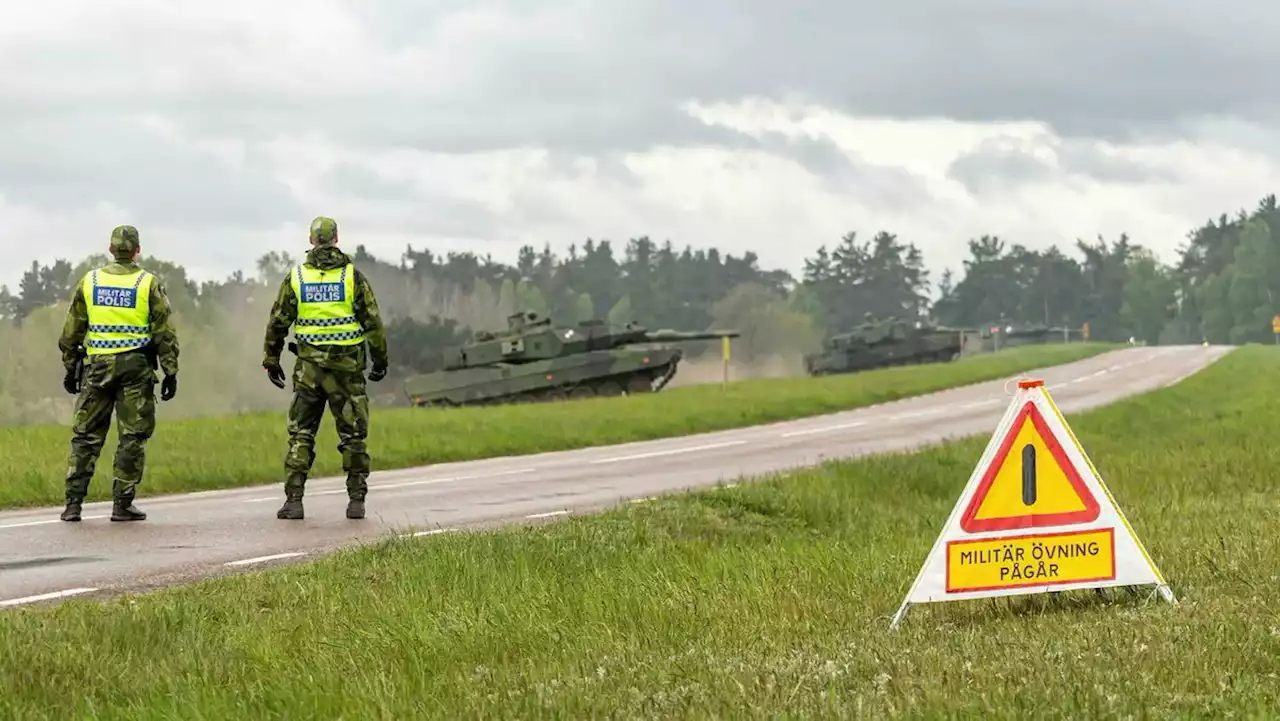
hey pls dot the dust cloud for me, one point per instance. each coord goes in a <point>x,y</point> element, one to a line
<point>710,369</point>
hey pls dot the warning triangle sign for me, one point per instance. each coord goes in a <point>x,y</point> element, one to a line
<point>1035,517</point>
<point>1030,483</point>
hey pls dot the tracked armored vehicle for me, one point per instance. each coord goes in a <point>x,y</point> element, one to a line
<point>1024,334</point>
<point>536,360</point>
<point>890,342</point>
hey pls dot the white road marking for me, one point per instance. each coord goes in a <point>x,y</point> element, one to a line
<point>916,414</point>
<point>646,499</point>
<point>516,472</point>
<point>46,521</point>
<point>47,596</point>
<point>260,559</point>
<point>432,532</point>
<point>980,404</point>
<point>547,515</point>
<point>672,452</point>
<point>824,429</point>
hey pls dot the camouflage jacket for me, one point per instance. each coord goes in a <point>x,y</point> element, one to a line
<point>163,334</point>
<point>341,358</point>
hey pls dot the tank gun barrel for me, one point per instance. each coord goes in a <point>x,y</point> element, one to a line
<point>671,336</point>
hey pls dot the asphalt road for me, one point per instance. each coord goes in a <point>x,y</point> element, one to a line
<point>197,535</point>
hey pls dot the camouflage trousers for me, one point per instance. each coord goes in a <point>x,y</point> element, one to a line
<point>125,384</point>
<point>343,392</point>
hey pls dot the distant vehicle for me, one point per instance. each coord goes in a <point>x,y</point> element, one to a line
<point>536,360</point>
<point>996,337</point>
<point>890,342</point>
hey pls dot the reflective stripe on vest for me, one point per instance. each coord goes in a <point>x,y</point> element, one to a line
<point>119,311</point>
<point>326,306</point>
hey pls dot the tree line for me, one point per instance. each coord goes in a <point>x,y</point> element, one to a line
<point>1221,287</point>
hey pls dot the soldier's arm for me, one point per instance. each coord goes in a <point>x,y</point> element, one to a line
<point>73,329</point>
<point>283,313</point>
<point>163,334</point>
<point>366,307</point>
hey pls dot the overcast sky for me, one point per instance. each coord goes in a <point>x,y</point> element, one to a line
<point>221,128</point>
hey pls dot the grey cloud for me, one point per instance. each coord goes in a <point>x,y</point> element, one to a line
<point>1085,158</point>
<point>995,170</point>
<point>358,180</point>
<point>602,79</point>
<point>883,186</point>
<point>396,206</point>
<point>818,156</point>
<point>467,127</point>
<point>586,77</point>
<point>428,215</point>
<point>999,164</point>
<point>76,162</point>
<point>1084,67</point>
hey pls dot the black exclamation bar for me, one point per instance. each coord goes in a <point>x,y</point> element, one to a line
<point>1029,475</point>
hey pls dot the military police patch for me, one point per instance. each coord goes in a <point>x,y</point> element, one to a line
<point>324,292</point>
<point>115,297</point>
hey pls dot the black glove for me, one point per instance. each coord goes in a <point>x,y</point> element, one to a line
<point>169,387</point>
<point>275,374</point>
<point>70,383</point>
<point>378,373</point>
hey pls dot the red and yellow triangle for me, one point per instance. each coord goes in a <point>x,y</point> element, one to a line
<point>1030,483</point>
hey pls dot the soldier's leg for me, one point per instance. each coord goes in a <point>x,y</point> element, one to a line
<point>349,403</point>
<point>89,427</point>
<point>305,413</point>
<point>136,422</point>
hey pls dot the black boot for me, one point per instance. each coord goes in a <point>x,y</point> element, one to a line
<point>124,510</point>
<point>72,511</point>
<point>291,510</point>
<point>294,485</point>
<point>355,508</point>
<point>357,487</point>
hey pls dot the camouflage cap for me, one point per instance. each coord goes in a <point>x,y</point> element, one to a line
<point>324,231</point>
<point>124,241</point>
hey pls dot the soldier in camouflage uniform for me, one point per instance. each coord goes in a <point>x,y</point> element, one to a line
<point>337,326</point>
<point>116,335</point>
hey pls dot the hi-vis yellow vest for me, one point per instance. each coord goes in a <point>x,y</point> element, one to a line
<point>326,306</point>
<point>119,311</point>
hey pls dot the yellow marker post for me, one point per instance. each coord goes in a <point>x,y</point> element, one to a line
<point>725,345</point>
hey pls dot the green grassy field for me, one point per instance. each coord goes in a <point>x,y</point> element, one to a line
<point>768,599</point>
<point>207,453</point>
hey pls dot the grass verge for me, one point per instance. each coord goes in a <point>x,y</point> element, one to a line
<point>207,453</point>
<point>769,599</point>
